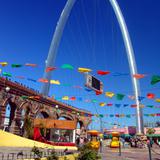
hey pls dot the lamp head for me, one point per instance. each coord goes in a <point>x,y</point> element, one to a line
<point>7,89</point>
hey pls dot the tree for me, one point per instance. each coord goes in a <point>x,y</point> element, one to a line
<point>151,131</point>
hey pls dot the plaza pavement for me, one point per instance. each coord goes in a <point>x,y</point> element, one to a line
<point>129,154</point>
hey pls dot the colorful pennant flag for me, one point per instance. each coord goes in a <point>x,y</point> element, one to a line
<point>30,64</point>
<point>88,90</point>
<point>16,65</point>
<point>125,105</point>
<point>20,77</point>
<point>79,87</point>
<point>150,106</point>
<point>158,100</point>
<point>83,70</point>
<point>109,94</point>
<point>102,104</point>
<point>48,69</point>
<point>94,100</point>
<point>98,92</point>
<point>131,97</point>
<point>6,74</point>
<point>133,105</point>
<point>55,82</point>
<point>139,76</point>
<point>33,80</point>
<point>43,80</point>
<point>150,96</point>
<point>155,79</point>
<point>67,66</point>
<point>24,97</point>
<point>100,72</point>
<point>140,98</point>
<point>117,105</point>
<point>128,116</point>
<point>72,98</point>
<point>120,96</point>
<point>3,64</point>
<point>65,98</point>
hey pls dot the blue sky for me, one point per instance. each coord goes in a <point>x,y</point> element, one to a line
<point>91,39</point>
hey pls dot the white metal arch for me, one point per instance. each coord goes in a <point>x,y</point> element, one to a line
<point>128,45</point>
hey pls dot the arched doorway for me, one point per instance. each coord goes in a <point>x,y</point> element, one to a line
<point>45,132</point>
<point>9,116</point>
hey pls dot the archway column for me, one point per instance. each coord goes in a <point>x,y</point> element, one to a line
<point>2,116</point>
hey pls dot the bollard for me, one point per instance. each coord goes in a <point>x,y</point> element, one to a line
<point>119,148</point>
<point>101,146</point>
<point>149,150</point>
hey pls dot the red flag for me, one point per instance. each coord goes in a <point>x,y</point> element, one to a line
<point>98,92</point>
<point>48,69</point>
<point>100,72</point>
<point>43,80</point>
<point>150,96</point>
<point>117,115</point>
<point>139,76</point>
<point>109,104</point>
<point>72,98</point>
<point>133,105</point>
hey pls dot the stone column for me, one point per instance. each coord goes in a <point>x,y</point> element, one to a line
<point>15,127</point>
<point>2,116</point>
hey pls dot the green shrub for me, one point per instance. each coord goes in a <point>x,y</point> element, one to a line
<point>52,156</point>
<point>37,152</point>
<point>87,153</point>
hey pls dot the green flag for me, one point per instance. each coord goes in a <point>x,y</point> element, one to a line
<point>67,66</point>
<point>150,106</point>
<point>24,97</point>
<point>16,65</point>
<point>120,96</point>
<point>128,116</point>
<point>101,115</point>
<point>6,74</point>
<point>94,100</point>
<point>155,79</point>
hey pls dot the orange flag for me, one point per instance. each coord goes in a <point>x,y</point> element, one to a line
<point>139,76</point>
<point>43,80</point>
<point>31,64</point>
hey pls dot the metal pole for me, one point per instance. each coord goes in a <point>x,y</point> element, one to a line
<point>131,60</point>
<point>119,148</point>
<point>149,151</point>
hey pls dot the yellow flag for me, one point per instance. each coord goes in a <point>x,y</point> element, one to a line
<point>3,64</point>
<point>54,82</point>
<point>65,98</point>
<point>109,94</point>
<point>158,100</point>
<point>82,70</point>
<point>141,106</point>
<point>102,104</point>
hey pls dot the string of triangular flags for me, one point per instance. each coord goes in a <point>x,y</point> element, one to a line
<point>155,78</point>
<point>150,96</point>
<point>125,115</point>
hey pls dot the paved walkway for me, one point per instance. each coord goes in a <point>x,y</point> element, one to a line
<point>129,154</point>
